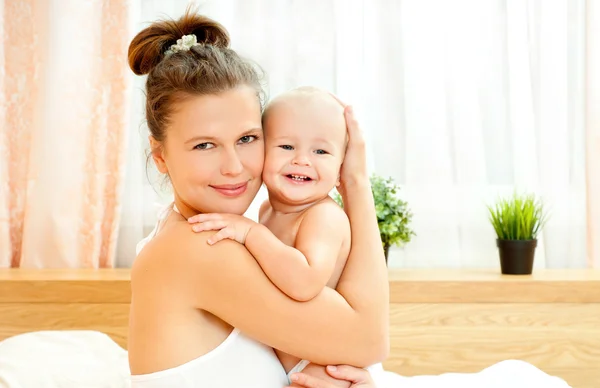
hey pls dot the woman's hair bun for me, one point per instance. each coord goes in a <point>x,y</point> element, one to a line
<point>148,47</point>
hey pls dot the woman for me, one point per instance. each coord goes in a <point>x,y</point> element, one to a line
<point>191,302</point>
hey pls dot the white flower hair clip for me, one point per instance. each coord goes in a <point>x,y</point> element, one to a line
<point>183,44</point>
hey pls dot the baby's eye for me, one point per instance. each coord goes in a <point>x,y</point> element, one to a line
<point>204,146</point>
<point>248,139</point>
<point>286,147</point>
<point>321,152</point>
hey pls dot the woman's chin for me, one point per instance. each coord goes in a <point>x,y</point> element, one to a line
<point>235,206</point>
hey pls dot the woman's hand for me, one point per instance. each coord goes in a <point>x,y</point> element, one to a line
<point>354,167</point>
<point>355,162</point>
<point>356,376</point>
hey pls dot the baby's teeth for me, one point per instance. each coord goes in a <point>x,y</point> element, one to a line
<point>297,177</point>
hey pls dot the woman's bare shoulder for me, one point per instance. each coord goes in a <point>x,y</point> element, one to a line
<point>179,256</point>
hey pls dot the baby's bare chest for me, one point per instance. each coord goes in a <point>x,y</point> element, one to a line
<point>284,227</point>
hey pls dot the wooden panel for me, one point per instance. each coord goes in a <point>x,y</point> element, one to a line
<point>560,339</point>
<point>492,275</point>
<point>501,316</point>
<point>81,274</point>
<point>489,286</point>
<point>111,319</point>
<point>63,316</point>
<point>64,286</point>
<point>65,299</point>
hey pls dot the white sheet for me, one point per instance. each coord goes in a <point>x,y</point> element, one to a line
<point>63,359</point>
<point>505,374</point>
<point>90,359</point>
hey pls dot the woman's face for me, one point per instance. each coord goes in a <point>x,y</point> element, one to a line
<point>214,152</point>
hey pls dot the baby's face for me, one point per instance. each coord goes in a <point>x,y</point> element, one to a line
<point>305,143</point>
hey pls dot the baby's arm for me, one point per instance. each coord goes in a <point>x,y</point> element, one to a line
<point>306,268</point>
<point>301,272</point>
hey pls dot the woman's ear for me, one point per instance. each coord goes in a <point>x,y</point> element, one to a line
<point>157,151</point>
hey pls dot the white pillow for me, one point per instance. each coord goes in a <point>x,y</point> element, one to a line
<point>63,359</point>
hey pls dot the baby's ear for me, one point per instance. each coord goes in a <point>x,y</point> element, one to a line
<point>157,151</point>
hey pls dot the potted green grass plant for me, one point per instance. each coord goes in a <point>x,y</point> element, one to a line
<point>393,215</point>
<point>517,221</point>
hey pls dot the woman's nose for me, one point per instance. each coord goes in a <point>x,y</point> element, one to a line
<point>231,164</point>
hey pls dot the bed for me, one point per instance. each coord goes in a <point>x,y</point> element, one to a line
<point>441,320</point>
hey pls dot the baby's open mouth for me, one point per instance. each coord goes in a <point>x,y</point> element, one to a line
<point>300,178</point>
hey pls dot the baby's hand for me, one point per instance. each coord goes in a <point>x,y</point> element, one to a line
<point>231,226</point>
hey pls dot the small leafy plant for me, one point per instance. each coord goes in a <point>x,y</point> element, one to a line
<point>518,217</point>
<point>393,215</point>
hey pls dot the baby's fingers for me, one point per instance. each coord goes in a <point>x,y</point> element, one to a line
<point>221,235</point>
<point>204,217</point>
<point>209,225</point>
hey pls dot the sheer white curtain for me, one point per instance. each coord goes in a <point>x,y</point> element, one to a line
<point>471,99</point>
<point>460,101</point>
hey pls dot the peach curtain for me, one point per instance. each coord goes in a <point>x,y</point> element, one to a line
<point>64,84</point>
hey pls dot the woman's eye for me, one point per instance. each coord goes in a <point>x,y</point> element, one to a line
<point>321,152</point>
<point>248,139</point>
<point>204,146</point>
<point>286,147</point>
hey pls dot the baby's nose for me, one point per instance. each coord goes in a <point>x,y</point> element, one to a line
<point>301,160</point>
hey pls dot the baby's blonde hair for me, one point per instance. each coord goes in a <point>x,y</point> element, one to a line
<point>305,92</point>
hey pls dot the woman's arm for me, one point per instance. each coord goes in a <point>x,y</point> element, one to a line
<point>364,282</point>
<point>228,282</point>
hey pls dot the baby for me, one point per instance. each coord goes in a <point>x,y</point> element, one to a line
<point>302,240</point>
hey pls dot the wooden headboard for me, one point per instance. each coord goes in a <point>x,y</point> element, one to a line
<point>441,320</point>
<point>466,320</point>
<point>51,299</point>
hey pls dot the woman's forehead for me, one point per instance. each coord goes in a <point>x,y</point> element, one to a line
<point>216,115</point>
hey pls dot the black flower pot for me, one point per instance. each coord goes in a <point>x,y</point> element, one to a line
<point>516,256</point>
